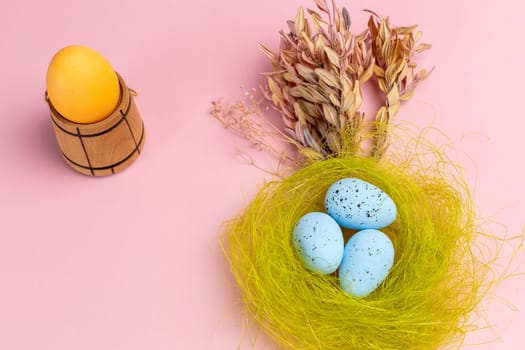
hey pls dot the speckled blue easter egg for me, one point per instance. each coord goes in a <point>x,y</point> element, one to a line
<point>358,205</point>
<point>319,242</point>
<point>367,259</point>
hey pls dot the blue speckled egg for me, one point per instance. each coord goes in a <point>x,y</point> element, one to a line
<point>319,242</point>
<point>358,205</point>
<point>367,259</point>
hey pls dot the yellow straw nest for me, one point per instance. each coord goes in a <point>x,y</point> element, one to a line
<point>426,301</point>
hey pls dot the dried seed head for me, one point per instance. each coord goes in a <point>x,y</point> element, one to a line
<point>346,17</point>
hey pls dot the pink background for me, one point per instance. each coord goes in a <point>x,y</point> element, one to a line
<point>132,261</point>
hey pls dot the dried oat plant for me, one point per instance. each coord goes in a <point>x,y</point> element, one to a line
<point>316,81</point>
<point>393,49</point>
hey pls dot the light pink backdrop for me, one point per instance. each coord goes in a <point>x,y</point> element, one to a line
<point>132,261</point>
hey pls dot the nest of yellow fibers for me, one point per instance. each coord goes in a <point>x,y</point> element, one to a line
<point>426,301</point>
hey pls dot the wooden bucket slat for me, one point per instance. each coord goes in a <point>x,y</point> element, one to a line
<point>105,147</point>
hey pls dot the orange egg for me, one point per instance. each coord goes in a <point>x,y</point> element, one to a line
<point>82,85</point>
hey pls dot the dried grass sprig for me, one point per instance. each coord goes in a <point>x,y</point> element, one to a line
<point>246,119</point>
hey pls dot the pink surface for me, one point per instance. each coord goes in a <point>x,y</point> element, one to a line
<point>132,261</point>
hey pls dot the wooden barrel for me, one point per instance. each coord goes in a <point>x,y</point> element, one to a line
<point>107,146</point>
